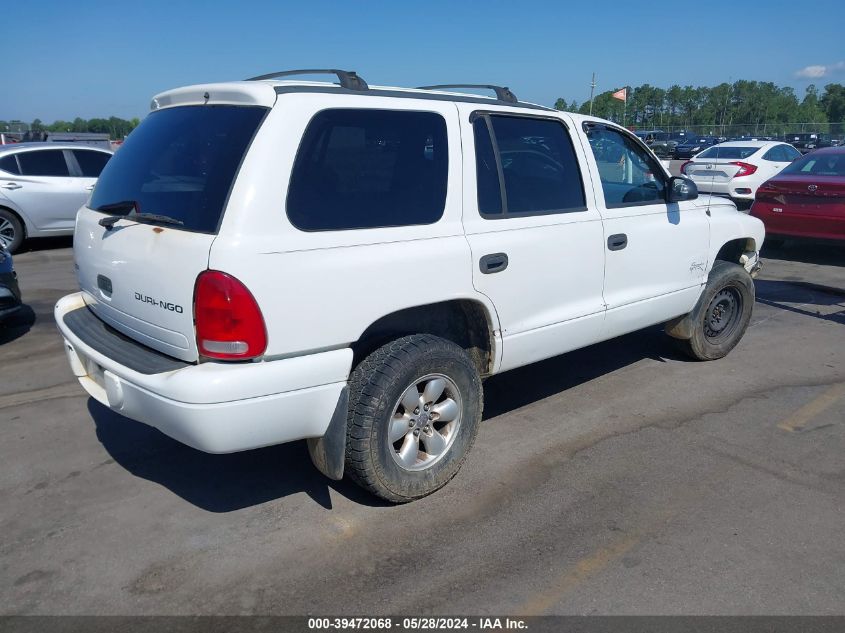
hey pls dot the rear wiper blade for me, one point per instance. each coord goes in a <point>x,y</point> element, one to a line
<point>117,207</point>
<point>132,207</point>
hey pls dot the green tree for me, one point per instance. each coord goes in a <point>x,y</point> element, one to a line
<point>833,103</point>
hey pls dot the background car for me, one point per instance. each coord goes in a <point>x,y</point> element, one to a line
<point>737,168</point>
<point>806,142</point>
<point>649,136</point>
<point>10,293</point>
<point>692,146</point>
<point>665,143</point>
<point>42,185</point>
<point>807,198</point>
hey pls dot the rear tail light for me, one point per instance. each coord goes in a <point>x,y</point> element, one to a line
<point>745,169</point>
<point>228,320</point>
<point>684,167</point>
<point>765,192</point>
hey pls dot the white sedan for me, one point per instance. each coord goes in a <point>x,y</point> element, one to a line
<point>737,168</point>
<point>42,186</point>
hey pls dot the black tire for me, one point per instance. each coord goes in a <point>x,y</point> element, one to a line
<point>14,230</point>
<point>375,387</point>
<point>717,326</point>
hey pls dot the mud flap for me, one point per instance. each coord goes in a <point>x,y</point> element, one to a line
<point>328,453</point>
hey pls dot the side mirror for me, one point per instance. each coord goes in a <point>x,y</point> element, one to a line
<point>681,189</point>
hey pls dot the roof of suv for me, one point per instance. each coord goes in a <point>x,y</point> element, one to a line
<point>13,147</point>
<point>257,93</point>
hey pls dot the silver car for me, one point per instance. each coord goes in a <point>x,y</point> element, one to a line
<point>42,185</point>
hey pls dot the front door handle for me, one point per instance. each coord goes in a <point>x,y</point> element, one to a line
<point>89,188</point>
<point>617,242</point>
<point>493,263</point>
<point>10,185</point>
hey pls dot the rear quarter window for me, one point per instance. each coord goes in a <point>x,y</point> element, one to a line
<point>9,164</point>
<point>91,163</point>
<point>365,168</point>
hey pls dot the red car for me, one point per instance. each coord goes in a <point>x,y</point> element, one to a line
<point>807,198</point>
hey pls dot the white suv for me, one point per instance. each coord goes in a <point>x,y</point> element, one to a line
<point>267,260</point>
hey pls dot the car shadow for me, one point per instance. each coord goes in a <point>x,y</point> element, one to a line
<point>46,243</point>
<point>805,251</point>
<point>804,298</point>
<point>226,483</point>
<point>17,324</point>
<point>216,483</point>
<point>520,387</point>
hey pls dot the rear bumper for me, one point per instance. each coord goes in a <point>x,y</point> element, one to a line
<point>787,223</point>
<point>728,189</point>
<point>214,407</point>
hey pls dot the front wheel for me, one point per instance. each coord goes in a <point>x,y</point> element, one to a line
<point>11,231</point>
<point>414,411</point>
<point>722,314</point>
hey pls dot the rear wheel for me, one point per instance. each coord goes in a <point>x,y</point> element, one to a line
<point>722,314</point>
<point>414,410</point>
<point>11,231</point>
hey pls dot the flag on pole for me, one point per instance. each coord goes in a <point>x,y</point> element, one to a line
<point>621,94</point>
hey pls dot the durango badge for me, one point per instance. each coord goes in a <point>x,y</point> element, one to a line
<point>160,304</point>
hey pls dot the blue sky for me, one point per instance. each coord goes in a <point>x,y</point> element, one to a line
<point>65,59</point>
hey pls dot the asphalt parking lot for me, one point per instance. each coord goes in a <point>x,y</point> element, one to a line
<point>616,479</point>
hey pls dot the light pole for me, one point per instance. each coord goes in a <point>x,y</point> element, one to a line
<point>592,90</point>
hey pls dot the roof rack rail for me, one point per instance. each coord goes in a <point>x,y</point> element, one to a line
<point>502,93</point>
<point>349,79</point>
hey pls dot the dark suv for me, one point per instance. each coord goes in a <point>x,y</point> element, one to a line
<point>806,142</point>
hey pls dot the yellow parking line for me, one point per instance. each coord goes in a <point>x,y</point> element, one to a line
<point>588,566</point>
<point>802,416</point>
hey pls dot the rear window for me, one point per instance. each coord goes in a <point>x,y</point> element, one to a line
<point>181,162</point>
<point>818,165</point>
<point>359,169</point>
<point>721,151</point>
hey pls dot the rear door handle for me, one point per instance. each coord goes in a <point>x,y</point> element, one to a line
<point>89,188</point>
<point>493,263</point>
<point>617,242</point>
<point>10,185</point>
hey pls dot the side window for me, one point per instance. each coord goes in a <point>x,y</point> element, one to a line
<point>790,152</point>
<point>360,168</point>
<point>9,165</point>
<point>525,166</point>
<point>91,163</point>
<point>49,162</point>
<point>629,174</point>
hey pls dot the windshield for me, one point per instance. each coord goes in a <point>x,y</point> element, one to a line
<point>818,165</point>
<point>180,162</point>
<point>722,151</point>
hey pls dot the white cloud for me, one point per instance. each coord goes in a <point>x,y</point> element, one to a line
<point>817,71</point>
